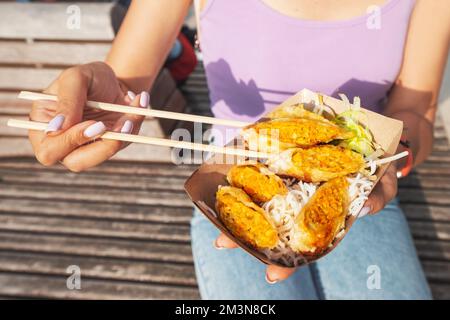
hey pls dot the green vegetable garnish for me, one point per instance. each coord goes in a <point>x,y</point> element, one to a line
<point>362,142</point>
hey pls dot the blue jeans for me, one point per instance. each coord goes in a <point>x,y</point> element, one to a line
<point>376,260</point>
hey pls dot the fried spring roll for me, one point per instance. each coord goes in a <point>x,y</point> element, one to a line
<point>257,181</point>
<point>244,218</point>
<point>316,164</point>
<point>295,111</point>
<point>322,218</point>
<point>287,133</point>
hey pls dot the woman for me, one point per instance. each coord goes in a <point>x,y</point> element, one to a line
<point>256,53</point>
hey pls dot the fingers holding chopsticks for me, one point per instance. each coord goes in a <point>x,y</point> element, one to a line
<point>92,154</point>
<point>65,131</point>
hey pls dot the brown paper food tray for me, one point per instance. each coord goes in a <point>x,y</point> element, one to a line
<point>202,185</point>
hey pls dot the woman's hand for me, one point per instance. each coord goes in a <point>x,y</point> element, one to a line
<point>73,130</point>
<point>382,194</point>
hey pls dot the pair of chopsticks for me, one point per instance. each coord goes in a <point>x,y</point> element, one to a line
<point>41,126</point>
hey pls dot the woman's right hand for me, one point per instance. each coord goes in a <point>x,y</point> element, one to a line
<point>73,130</point>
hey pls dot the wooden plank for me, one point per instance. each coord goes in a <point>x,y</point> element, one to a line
<point>440,291</point>
<point>435,156</point>
<point>425,181</point>
<point>52,21</point>
<point>26,285</point>
<point>104,211</point>
<point>11,106</point>
<point>150,127</point>
<point>110,181</point>
<point>115,167</point>
<point>15,147</point>
<point>6,131</point>
<point>163,198</point>
<point>424,196</point>
<point>433,249</point>
<point>16,79</point>
<point>426,212</point>
<point>96,247</point>
<point>437,271</point>
<point>19,146</point>
<point>95,228</point>
<point>430,230</point>
<point>98,268</point>
<point>51,53</point>
<point>433,168</point>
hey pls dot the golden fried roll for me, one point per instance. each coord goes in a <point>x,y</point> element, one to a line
<point>244,218</point>
<point>287,133</point>
<point>295,111</point>
<point>257,181</point>
<point>316,164</point>
<point>322,218</point>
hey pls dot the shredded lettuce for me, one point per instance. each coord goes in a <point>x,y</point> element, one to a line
<point>362,141</point>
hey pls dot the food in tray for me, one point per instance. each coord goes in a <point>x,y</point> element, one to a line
<point>257,181</point>
<point>286,133</point>
<point>295,111</point>
<point>302,195</point>
<point>321,219</point>
<point>244,218</point>
<point>316,164</point>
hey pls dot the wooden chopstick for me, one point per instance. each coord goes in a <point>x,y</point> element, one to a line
<point>27,95</point>
<point>41,126</point>
<point>391,158</point>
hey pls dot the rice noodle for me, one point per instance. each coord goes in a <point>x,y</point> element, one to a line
<point>284,209</point>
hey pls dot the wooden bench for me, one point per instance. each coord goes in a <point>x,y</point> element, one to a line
<point>126,223</point>
<point>36,45</point>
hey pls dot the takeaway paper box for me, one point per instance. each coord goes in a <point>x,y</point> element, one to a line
<point>202,185</point>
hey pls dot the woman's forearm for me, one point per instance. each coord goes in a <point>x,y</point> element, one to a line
<point>417,111</point>
<point>144,40</point>
<point>414,96</point>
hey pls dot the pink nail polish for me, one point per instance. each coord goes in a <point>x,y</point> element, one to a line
<point>215,244</point>
<point>127,127</point>
<point>55,124</point>
<point>145,100</point>
<point>94,129</point>
<point>364,212</point>
<point>270,281</point>
<point>131,95</point>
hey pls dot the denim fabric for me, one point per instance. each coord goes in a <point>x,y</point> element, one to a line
<point>376,245</point>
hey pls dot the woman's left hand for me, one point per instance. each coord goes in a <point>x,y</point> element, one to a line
<point>382,194</point>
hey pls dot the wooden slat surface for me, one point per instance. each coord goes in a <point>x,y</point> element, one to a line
<point>49,21</point>
<point>126,223</point>
<point>51,53</point>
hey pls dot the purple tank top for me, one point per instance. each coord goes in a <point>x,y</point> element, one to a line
<point>256,57</point>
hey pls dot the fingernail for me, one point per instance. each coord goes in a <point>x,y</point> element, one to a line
<point>94,130</point>
<point>217,246</point>
<point>127,127</point>
<point>55,124</point>
<point>131,95</point>
<point>145,99</point>
<point>364,212</point>
<point>269,281</point>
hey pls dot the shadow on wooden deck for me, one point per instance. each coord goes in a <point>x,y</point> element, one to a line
<point>126,223</point>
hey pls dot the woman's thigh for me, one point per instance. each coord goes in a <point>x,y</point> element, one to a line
<point>234,274</point>
<point>376,260</point>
